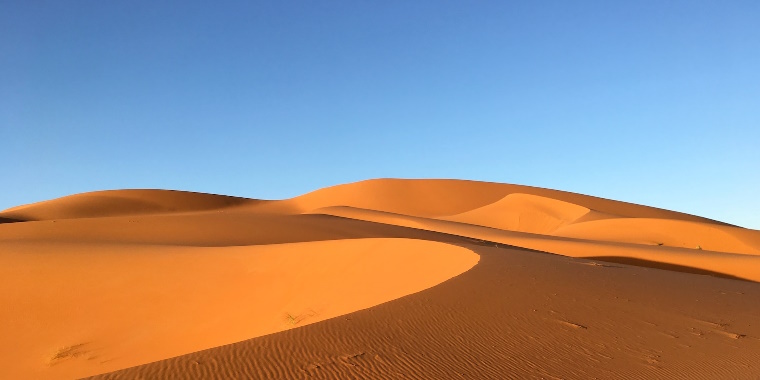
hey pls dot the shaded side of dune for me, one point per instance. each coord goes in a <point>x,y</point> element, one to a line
<point>663,266</point>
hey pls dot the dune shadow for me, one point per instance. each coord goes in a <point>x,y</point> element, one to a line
<point>399,231</point>
<point>663,266</point>
<point>9,220</point>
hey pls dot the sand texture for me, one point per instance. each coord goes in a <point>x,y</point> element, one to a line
<point>387,278</point>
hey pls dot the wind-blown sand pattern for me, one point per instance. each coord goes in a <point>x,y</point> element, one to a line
<point>376,279</point>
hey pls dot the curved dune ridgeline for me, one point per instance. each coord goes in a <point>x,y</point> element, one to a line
<point>551,221</point>
<point>104,307</point>
<point>420,278</point>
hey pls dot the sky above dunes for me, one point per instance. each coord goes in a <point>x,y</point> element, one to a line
<point>648,102</point>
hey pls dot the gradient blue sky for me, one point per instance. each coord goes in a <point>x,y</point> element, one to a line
<point>652,102</point>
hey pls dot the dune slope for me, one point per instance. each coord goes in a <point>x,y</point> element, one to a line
<point>125,305</point>
<point>515,315</point>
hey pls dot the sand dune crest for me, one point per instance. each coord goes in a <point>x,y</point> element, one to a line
<point>121,202</point>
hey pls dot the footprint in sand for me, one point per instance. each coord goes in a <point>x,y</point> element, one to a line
<point>573,325</point>
<point>68,352</point>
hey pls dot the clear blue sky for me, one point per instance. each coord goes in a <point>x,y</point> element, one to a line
<point>653,102</point>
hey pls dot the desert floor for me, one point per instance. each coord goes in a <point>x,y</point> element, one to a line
<point>420,279</point>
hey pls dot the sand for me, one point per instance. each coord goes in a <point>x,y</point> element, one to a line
<point>376,279</point>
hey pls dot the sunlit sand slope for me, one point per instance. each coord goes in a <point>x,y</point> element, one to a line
<point>523,212</point>
<point>441,197</point>
<point>82,309</point>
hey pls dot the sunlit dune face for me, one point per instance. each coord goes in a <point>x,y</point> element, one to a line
<point>82,309</point>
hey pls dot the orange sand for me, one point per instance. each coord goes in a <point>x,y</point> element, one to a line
<point>114,280</point>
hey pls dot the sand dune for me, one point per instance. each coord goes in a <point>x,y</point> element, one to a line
<point>524,213</point>
<point>114,280</point>
<point>515,315</point>
<point>441,197</point>
<point>121,202</point>
<point>664,232</point>
<point>125,305</point>
<point>735,265</point>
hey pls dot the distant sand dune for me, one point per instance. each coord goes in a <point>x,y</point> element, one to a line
<point>664,232</point>
<point>441,197</point>
<point>524,213</point>
<point>108,280</point>
<point>121,202</point>
<point>745,265</point>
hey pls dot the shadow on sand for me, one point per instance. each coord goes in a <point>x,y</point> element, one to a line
<point>664,266</point>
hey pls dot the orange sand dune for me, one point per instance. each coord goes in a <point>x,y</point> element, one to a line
<point>515,315</point>
<point>121,202</point>
<point>523,212</point>
<point>736,265</point>
<point>115,280</point>
<point>441,197</point>
<point>104,307</point>
<point>665,232</point>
